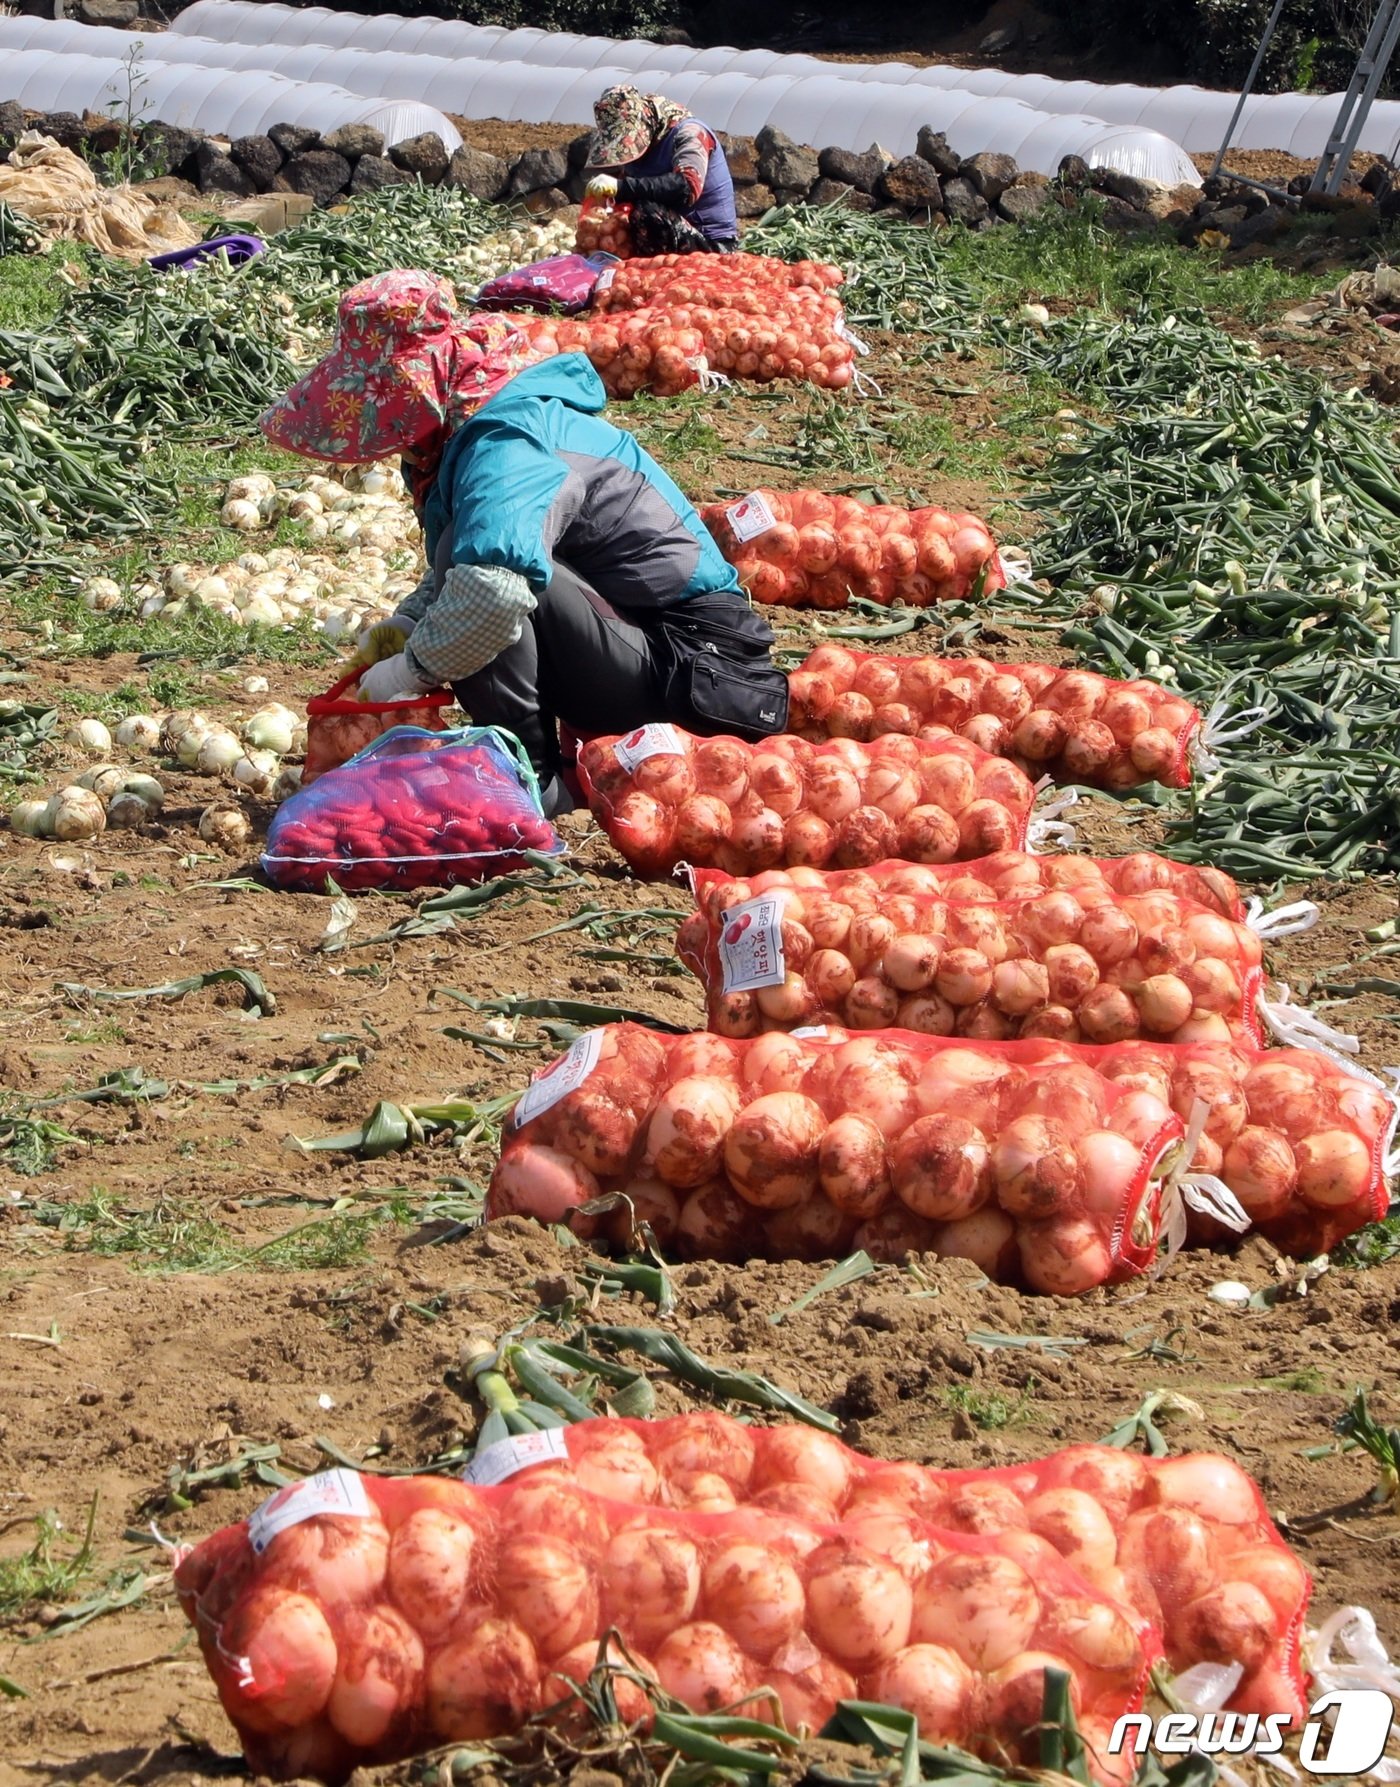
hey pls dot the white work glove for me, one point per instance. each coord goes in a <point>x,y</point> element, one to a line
<point>390,680</point>
<point>602,186</point>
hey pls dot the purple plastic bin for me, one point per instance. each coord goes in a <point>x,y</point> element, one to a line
<point>238,249</point>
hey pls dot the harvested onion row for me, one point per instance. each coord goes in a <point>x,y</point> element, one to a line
<point>665,797</point>
<point>805,549</point>
<point>880,947</point>
<point>1073,725</point>
<point>403,1613</point>
<point>1018,1156</point>
<point>1186,1542</point>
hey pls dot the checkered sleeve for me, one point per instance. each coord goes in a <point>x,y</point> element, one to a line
<point>480,611</point>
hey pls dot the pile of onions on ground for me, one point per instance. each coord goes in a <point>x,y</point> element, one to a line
<point>1074,725</point>
<point>665,797</point>
<point>1016,1155</point>
<point>687,279</point>
<point>805,549</point>
<point>1300,1138</point>
<point>891,946</point>
<point>435,1611</point>
<point>1186,1543</point>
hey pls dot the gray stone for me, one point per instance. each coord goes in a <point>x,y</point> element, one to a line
<point>103,133</point>
<point>215,172</point>
<point>997,41</point>
<point>320,173</point>
<point>549,201</point>
<point>784,165</point>
<point>933,147</point>
<point>753,201</point>
<point>913,184</point>
<point>578,150</point>
<point>117,13</point>
<point>66,128</point>
<point>990,173</point>
<point>176,147</point>
<point>1262,226</point>
<point>1377,178</point>
<point>742,159</point>
<point>1118,214</point>
<point>354,140</point>
<point>1019,204</point>
<point>259,157</point>
<point>425,155</point>
<point>1137,193</point>
<point>294,139</point>
<point>962,201</point>
<point>1074,173</point>
<point>853,168</point>
<point>373,172</point>
<point>536,171</point>
<point>837,192</point>
<point>11,120</point>
<point>477,173</point>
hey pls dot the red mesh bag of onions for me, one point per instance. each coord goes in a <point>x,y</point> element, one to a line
<point>665,797</point>
<point>1301,1140</point>
<point>414,809</point>
<point>1015,1155</point>
<point>604,228</point>
<point>1073,725</point>
<point>355,1620</point>
<point>1185,1544</point>
<point>686,279</point>
<point>902,944</point>
<point>805,549</point>
<point>338,725</point>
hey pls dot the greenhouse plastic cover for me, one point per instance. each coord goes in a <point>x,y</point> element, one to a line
<point>1194,117</point>
<point>820,106</point>
<point>47,74</point>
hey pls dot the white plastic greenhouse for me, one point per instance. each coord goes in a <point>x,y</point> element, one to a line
<point>229,101</point>
<point>479,73</point>
<point>1194,117</point>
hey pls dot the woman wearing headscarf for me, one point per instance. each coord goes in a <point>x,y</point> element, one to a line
<point>569,579</point>
<point>674,175</point>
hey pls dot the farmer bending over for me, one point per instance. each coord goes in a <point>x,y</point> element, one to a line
<point>569,579</point>
<point>676,178</point>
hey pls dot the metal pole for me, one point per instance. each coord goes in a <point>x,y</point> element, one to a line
<point>1248,88</point>
<point>1391,35</point>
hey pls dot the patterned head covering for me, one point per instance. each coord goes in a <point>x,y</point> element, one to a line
<point>626,124</point>
<point>406,370</point>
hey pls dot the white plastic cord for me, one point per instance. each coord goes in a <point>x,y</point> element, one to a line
<point>1298,1028</point>
<point>1016,565</point>
<point>1046,829</point>
<point>1201,1192</point>
<point>1283,921</point>
<point>713,381</point>
<point>1390,1153</point>
<point>1365,1665</point>
<point>844,330</point>
<point>864,385</point>
<point>1212,732</point>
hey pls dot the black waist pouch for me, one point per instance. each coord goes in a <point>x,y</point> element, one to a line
<point>717,673</point>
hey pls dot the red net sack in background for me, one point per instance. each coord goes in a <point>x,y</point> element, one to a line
<point>1300,1139</point>
<point>665,797</point>
<point>355,1620</point>
<point>604,227</point>
<point>1033,1164</point>
<point>1074,725</point>
<point>414,809</point>
<point>685,280</point>
<point>805,549</point>
<point>1183,1543</point>
<point>890,945</point>
<point>337,725</point>
<point>561,282</point>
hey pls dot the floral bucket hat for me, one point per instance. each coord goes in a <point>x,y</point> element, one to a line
<point>626,123</point>
<point>405,366</point>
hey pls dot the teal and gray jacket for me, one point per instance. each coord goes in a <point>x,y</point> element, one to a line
<point>538,475</point>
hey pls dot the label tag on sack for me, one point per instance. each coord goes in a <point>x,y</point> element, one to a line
<point>750,517</point>
<point>559,1079</point>
<point>330,1492</point>
<point>648,741</point>
<point>809,1032</point>
<point>751,945</point>
<point>507,1457</point>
